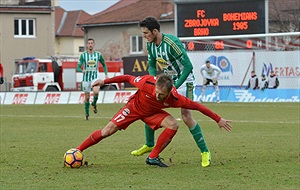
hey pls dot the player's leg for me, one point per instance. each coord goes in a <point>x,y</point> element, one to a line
<point>98,135</point>
<point>217,92</point>
<point>193,126</point>
<point>96,94</point>
<point>149,134</point>
<point>198,136</point>
<point>195,129</point>
<point>119,121</point>
<point>87,105</point>
<point>165,120</point>
<point>205,83</point>
<point>86,87</point>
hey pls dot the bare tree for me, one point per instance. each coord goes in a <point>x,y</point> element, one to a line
<point>284,16</point>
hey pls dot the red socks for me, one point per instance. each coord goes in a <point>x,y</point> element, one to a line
<point>94,138</point>
<point>162,141</point>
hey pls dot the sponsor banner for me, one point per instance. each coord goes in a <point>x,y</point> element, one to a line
<point>117,96</point>
<point>210,94</point>
<point>2,97</point>
<point>20,98</point>
<point>227,94</point>
<point>235,94</point>
<point>268,95</point>
<point>52,97</point>
<point>78,97</point>
<point>234,66</point>
<point>136,66</point>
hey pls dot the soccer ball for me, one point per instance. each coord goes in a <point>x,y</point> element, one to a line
<point>73,158</point>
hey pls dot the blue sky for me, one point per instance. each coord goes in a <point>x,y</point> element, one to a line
<point>89,6</point>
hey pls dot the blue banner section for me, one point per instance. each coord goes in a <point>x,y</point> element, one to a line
<point>236,94</point>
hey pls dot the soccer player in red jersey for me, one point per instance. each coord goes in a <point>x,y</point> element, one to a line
<point>153,95</point>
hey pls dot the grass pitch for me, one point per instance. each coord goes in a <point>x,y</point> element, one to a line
<point>261,152</point>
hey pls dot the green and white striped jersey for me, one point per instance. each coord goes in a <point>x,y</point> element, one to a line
<point>90,64</point>
<point>171,56</point>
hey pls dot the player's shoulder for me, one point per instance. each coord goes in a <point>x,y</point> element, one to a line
<point>170,38</point>
<point>97,52</point>
<point>83,53</point>
<point>175,93</point>
<point>145,78</point>
<point>150,78</point>
<point>203,66</point>
<point>214,66</point>
<point>150,46</point>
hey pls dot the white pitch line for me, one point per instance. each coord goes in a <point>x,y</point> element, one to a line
<point>256,121</point>
<point>281,122</point>
<point>101,117</point>
<point>256,104</point>
<point>50,116</point>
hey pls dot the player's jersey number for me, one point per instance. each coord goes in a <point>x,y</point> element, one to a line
<point>119,118</point>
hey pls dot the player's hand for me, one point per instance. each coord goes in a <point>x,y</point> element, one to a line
<point>98,82</point>
<point>214,80</point>
<point>204,81</point>
<point>83,71</point>
<point>224,123</point>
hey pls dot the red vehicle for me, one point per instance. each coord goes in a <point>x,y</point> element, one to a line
<point>56,74</point>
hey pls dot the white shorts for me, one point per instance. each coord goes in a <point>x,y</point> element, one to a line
<point>87,85</point>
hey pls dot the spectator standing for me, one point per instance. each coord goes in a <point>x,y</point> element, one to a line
<point>263,84</point>
<point>253,81</point>
<point>273,80</point>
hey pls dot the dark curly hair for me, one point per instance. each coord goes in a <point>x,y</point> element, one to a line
<point>151,23</point>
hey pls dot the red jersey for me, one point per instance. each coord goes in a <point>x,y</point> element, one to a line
<point>145,102</point>
<point>1,70</point>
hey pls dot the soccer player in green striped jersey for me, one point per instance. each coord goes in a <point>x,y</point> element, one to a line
<point>167,51</point>
<point>88,64</point>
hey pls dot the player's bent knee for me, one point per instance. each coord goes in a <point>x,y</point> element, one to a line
<point>186,114</point>
<point>170,122</point>
<point>173,126</point>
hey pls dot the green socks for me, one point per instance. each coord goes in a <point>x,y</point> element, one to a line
<point>199,138</point>
<point>195,131</point>
<point>87,108</point>
<point>95,100</point>
<point>149,133</point>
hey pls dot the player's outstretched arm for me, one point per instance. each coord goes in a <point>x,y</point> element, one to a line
<point>224,123</point>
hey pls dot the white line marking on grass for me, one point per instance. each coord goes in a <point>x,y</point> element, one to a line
<point>280,122</point>
<point>255,104</point>
<point>50,116</point>
<point>101,117</point>
<point>256,121</point>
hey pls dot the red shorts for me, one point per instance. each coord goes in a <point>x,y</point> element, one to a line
<point>128,114</point>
